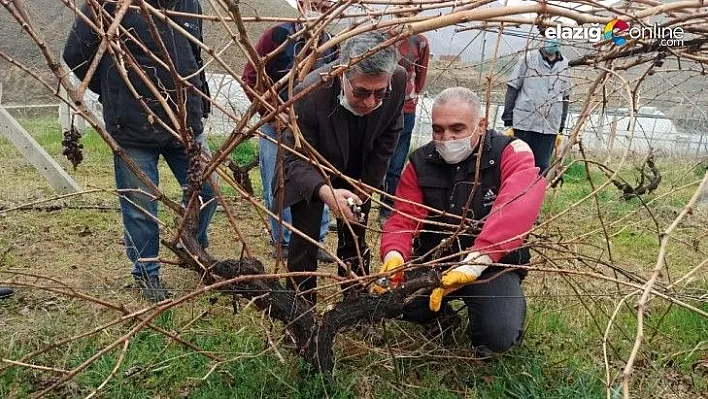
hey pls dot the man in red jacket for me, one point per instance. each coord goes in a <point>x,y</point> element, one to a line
<point>414,55</point>
<point>486,193</point>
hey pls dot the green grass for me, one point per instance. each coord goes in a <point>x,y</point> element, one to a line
<point>560,357</point>
<point>245,153</point>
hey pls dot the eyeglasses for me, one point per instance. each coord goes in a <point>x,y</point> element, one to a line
<point>362,94</point>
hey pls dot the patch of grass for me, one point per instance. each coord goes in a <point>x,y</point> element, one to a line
<point>575,173</point>
<point>245,153</point>
<point>700,170</point>
<point>533,378</point>
<point>631,243</point>
<point>685,329</point>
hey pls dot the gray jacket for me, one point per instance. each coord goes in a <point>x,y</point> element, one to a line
<point>541,90</point>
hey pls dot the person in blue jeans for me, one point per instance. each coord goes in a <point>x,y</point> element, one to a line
<point>148,120</point>
<point>139,209</point>
<point>414,56</point>
<point>279,37</point>
<point>267,160</point>
<point>398,160</point>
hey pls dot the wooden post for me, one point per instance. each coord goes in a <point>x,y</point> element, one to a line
<point>66,113</point>
<point>36,155</point>
<point>611,139</point>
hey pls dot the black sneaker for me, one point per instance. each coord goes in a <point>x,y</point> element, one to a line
<point>6,292</point>
<point>324,257</point>
<point>151,287</point>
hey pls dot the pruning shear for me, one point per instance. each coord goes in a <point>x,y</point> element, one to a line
<point>394,281</point>
<point>356,210</point>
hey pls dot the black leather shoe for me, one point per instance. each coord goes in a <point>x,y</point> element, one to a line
<point>6,292</point>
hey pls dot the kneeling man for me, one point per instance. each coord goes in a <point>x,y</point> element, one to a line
<point>481,193</point>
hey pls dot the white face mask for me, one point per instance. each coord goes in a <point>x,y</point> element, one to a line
<point>345,103</point>
<point>454,151</point>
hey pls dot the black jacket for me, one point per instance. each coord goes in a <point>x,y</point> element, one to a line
<point>125,117</point>
<point>324,124</point>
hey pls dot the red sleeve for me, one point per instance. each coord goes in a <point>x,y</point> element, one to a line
<point>421,73</point>
<point>401,227</point>
<point>265,45</point>
<point>517,205</point>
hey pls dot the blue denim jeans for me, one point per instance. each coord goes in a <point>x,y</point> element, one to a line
<point>398,160</point>
<point>142,233</point>
<point>267,160</point>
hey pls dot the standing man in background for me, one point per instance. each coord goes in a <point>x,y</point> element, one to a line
<point>276,69</point>
<point>536,102</point>
<point>132,119</point>
<point>414,55</point>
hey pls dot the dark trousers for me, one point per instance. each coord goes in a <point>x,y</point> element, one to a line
<point>541,145</point>
<point>496,310</point>
<point>302,256</point>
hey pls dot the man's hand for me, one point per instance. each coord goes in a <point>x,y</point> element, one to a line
<point>337,200</point>
<point>509,131</point>
<point>473,266</point>
<point>392,261</point>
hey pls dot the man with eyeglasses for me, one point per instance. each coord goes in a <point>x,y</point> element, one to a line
<point>536,101</point>
<point>278,36</point>
<point>353,121</point>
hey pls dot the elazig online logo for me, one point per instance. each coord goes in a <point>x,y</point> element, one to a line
<point>614,30</point>
<point>619,32</point>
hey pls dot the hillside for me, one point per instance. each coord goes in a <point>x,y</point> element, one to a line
<point>54,20</point>
<point>680,94</point>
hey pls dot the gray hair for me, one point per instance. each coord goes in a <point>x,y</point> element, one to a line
<point>460,94</point>
<point>383,61</point>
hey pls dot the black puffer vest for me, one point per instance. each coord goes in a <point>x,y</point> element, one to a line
<point>449,188</point>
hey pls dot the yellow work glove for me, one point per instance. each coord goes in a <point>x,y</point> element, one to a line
<point>509,131</point>
<point>559,141</point>
<point>472,267</point>
<point>392,261</point>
